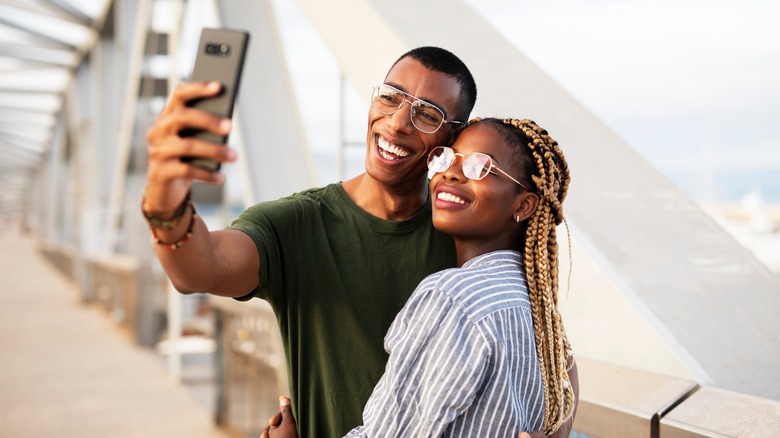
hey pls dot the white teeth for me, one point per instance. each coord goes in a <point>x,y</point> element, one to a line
<point>444,196</point>
<point>386,146</point>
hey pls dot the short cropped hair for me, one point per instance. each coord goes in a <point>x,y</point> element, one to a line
<point>438,59</point>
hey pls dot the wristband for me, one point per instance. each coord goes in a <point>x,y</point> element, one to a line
<point>168,224</point>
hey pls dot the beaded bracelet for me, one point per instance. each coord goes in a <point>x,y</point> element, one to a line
<point>169,224</point>
<point>178,244</point>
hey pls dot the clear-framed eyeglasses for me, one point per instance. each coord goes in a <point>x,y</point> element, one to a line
<point>475,165</point>
<point>425,116</point>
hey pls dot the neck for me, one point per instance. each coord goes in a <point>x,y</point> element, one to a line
<point>466,249</point>
<point>390,203</point>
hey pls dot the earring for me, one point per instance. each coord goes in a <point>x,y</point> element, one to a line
<point>517,218</point>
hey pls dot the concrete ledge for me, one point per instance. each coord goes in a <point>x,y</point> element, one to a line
<point>619,402</point>
<point>712,412</point>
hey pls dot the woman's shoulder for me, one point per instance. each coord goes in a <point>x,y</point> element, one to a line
<point>491,282</point>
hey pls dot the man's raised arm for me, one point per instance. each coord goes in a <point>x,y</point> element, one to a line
<point>221,262</point>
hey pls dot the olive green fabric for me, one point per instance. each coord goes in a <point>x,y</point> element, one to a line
<point>336,276</point>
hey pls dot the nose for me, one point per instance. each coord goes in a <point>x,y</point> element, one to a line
<point>455,171</point>
<point>401,120</point>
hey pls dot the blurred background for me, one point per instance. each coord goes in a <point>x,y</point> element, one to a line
<point>666,111</point>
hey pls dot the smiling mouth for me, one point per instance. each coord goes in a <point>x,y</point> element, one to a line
<point>449,197</point>
<point>391,152</point>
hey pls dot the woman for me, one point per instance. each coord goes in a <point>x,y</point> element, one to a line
<point>480,350</point>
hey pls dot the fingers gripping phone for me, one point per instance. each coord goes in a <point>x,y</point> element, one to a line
<point>220,57</point>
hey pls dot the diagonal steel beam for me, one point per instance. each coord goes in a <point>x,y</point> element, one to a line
<point>275,157</point>
<point>70,12</point>
<point>675,265</point>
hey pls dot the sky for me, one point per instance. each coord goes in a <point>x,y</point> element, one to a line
<point>693,87</point>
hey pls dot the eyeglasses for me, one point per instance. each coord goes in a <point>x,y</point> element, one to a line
<point>476,165</point>
<point>425,116</point>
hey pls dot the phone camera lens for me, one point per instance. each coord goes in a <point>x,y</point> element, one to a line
<point>217,49</point>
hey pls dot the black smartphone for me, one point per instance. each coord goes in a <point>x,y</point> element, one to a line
<point>220,57</point>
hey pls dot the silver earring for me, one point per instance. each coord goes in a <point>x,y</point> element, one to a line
<point>517,218</point>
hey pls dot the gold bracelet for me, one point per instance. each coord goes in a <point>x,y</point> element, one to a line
<point>178,244</point>
<point>168,224</point>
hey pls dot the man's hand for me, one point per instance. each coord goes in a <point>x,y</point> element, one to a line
<point>281,425</point>
<point>168,178</point>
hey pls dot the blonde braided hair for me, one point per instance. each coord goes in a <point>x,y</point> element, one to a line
<point>544,169</point>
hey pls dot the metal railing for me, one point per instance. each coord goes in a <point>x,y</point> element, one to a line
<point>251,372</point>
<point>615,402</point>
<point>117,284</point>
<point>110,281</point>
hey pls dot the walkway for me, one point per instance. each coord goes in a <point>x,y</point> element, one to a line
<point>65,369</point>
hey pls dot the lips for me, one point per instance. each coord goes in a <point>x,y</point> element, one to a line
<point>390,151</point>
<point>446,195</point>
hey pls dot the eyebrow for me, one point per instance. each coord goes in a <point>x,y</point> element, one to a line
<point>424,99</point>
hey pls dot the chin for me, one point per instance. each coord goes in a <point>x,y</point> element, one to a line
<point>444,225</point>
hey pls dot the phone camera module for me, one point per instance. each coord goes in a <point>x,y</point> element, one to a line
<point>217,49</point>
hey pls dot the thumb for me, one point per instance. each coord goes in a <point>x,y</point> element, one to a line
<point>524,435</point>
<point>286,409</point>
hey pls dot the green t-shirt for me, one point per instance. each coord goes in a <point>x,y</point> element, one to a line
<point>336,276</point>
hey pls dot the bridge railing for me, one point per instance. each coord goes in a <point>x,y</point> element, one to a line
<point>615,402</point>
<point>117,284</point>
<point>251,371</point>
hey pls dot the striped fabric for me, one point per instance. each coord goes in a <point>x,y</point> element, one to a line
<point>462,357</point>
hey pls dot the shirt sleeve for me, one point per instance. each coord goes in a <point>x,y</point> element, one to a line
<point>438,362</point>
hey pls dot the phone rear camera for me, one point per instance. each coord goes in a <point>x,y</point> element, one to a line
<point>217,49</point>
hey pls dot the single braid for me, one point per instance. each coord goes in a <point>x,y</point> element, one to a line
<point>547,173</point>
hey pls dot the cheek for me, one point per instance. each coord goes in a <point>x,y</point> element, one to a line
<point>443,138</point>
<point>488,196</point>
<point>438,138</point>
<point>495,202</point>
<point>372,117</point>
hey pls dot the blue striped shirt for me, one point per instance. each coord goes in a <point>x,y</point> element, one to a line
<point>463,357</point>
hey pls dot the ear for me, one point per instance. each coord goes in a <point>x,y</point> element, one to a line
<point>526,206</point>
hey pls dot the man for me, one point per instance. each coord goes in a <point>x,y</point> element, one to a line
<point>336,263</point>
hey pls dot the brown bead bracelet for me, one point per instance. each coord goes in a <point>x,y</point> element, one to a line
<point>178,244</point>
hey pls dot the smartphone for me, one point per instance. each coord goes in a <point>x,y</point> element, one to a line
<point>220,57</point>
